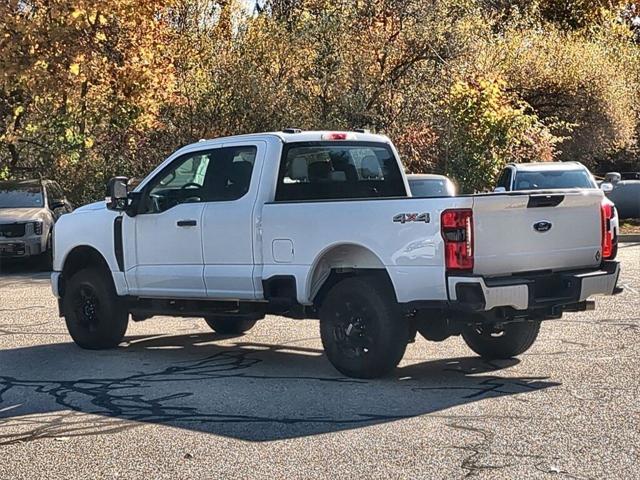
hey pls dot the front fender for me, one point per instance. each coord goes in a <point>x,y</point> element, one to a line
<point>90,228</point>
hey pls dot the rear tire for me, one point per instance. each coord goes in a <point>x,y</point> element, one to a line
<point>95,316</point>
<point>362,330</point>
<point>229,325</point>
<point>512,340</point>
<point>46,257</point>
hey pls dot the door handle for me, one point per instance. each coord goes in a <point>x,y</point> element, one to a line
<point>187,223</point>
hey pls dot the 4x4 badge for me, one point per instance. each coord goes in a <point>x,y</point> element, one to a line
<point>412,217</point>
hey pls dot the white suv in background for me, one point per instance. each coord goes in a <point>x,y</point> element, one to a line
<point>28,210</point>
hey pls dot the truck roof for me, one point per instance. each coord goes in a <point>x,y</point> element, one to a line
<point>539,166</point>
<point>293,135</point>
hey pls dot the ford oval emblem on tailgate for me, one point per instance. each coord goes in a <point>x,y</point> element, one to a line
<point>542,226</point>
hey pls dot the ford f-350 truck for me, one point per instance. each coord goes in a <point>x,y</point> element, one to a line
<point>322,225</point>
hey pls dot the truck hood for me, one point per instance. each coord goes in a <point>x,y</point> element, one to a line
<point>91,207</point>
<point>12,215</point>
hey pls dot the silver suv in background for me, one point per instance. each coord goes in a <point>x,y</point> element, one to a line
<point>430,185</point>
<point>28,210</point>
<point>623,189</point>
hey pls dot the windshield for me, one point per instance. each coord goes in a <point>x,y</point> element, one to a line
<point>550,179</point>
<point>432,187</point>
<point>20,195</point>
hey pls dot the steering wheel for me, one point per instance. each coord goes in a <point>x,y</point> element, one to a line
<point>190,184</point>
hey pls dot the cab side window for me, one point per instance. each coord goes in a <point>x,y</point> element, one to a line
<point>505,179</point>
<point>222,174</point>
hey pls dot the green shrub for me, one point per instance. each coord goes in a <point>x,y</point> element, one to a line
<point>488,128</point>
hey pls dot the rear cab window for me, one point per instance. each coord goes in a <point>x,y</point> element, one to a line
<point>431,187</point>
<point>553,179</point>
<point>338,171</point>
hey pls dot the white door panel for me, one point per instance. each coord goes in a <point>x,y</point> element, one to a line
<point>169,255</point>
<point>170,281</point>
<point>162,241</point>
<point>228,238</point>
<point>229,281</point>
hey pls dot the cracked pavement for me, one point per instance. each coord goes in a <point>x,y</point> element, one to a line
<point>178,401</point>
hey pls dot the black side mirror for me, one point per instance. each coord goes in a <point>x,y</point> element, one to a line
<point>117,194</point>
<point>56,205</point>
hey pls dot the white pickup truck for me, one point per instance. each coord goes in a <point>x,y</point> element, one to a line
<point>322,225</point>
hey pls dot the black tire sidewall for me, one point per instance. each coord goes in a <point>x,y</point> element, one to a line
<point>229,325</point>
<point>389,330</point>
<point>113,316</point>
<point>46,257</point>
<point>517,339</point>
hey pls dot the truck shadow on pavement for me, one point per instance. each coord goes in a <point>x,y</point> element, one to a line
<point>249,391</point>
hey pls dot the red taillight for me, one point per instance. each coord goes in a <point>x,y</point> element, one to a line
<point>337,136</point>
<point>606,214</point>
<point>457,231</point>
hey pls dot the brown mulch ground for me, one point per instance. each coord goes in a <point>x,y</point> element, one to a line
<point>630,226</point>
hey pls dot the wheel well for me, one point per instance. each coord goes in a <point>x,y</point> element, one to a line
<point>82,257</point>
<point>343,261</point>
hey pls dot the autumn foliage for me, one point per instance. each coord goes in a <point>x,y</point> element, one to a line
<point>90,89</point>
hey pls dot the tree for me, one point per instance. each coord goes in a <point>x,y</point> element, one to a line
<point>79,81</point>
<point>488,129</point>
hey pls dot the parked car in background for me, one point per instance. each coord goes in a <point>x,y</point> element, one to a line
<point>630,175</point>
<point>544,176</point>
<point>624,191</point>
<point>555,175</point>
<point>28,211</point>
<point>428,185</point>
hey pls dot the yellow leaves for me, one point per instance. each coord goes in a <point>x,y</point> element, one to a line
<point>88,142</point>
<point>18,111</point>
<point>77,13</point>
<point>101,37</point>
<point>74,68</point>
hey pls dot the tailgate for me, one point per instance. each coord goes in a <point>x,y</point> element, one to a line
<point>532,231</point>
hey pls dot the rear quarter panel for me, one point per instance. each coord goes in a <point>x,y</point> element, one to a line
<point>411,252</point>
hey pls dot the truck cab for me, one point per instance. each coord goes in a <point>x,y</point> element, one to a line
<point>323,225</point>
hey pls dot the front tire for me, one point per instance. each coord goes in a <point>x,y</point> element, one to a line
<point>362,330</point>
<point>511,340</point>
<point>229,325</point>
<point>96,318</point>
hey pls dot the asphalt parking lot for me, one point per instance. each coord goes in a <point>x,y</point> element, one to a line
<point>178,401</point>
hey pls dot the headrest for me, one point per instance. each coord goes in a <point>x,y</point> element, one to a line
<point>240,172</point>
<point>370,167</point>
<point>319,170</point>
<point>299,169</point>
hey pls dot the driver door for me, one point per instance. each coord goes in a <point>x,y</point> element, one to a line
<point>164,241</point>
